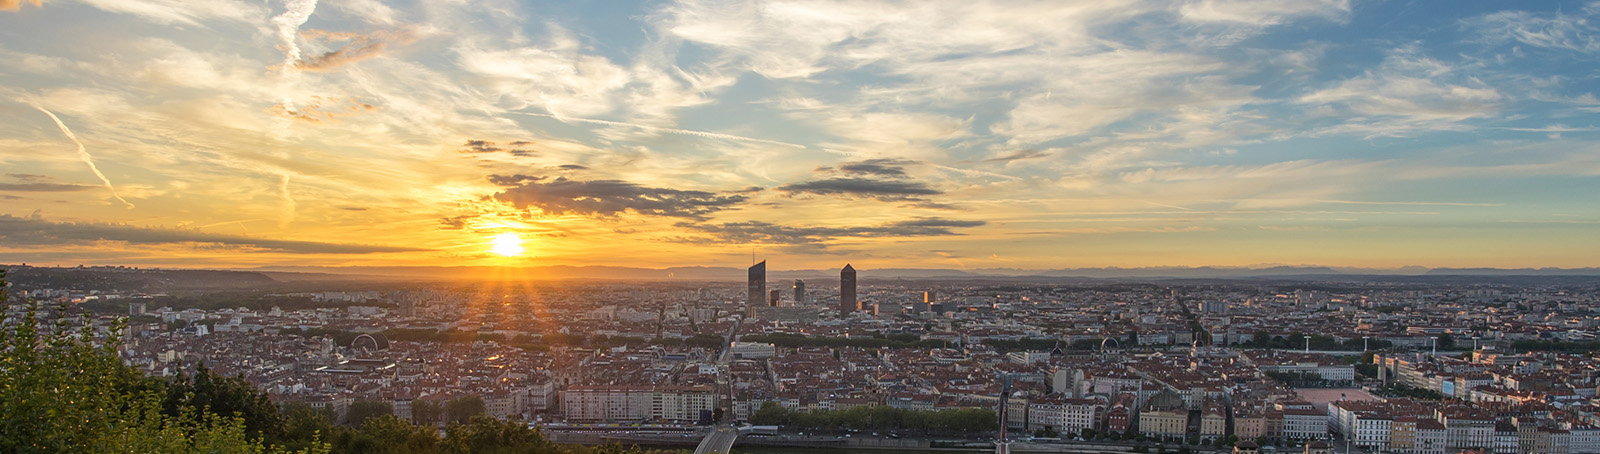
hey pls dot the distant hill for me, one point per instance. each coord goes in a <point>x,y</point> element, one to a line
<point>105,278</point>
<point>1514,272</point>
<point>125,278</point>
<point>705,273</point>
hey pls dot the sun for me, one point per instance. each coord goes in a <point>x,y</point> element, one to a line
<point>506,244</point>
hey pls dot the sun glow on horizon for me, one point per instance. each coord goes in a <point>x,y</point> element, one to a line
<point>506,244</point>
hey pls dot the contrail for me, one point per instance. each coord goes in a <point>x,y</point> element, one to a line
<point>688,132</point>
<point>288,201</point>
<point>83,153</point>
<point>219,224</point>
<point>295,14</point>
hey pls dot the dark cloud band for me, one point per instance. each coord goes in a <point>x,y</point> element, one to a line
<point>17,231</point>
<point>608,197</point>
<point>768,233</point>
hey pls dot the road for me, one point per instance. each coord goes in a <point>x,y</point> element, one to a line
<point>720,440</point>
<point>722,436</point>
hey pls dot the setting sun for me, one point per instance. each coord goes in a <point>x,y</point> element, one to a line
<point>507,244</point>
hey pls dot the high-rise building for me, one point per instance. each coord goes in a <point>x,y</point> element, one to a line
<point>800,293</point>
<point>758,285</point>
<point>847,291</point>
<point>928,297</point>
<point>776,295</point>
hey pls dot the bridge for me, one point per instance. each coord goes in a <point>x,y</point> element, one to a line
<point>721,437</point>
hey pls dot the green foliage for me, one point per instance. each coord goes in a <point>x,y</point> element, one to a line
<point>1295,341</point>
<point>462,409</point>
<point>1400,390</point>
<point>797,340</point>
<point>1555,346</point>
<point>363,410</point>
<point>207,392</point>
<point>1023,344</point>
<point>485,435</point>
<point>1367,370</point>
<point>61,391</point>
<point>427,412</point>
<point>387,434</point>
<point>965,421</point>
<point>1300,379</point>
<point>303,426</point>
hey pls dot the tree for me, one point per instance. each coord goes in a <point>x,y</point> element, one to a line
<point>60,391</point>
<point>1261,339</point>
<point>462,409</point>
<point>304,426</point>
<point>491,436</point>
<point>206,391</point>
<point>388,434</point>
<point>772,414</point>
<point>427,412</point>
<point>1446,341</point>
<point>362,410</point>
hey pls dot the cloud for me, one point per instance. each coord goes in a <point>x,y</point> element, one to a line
<point>1018,156</point>
<point>1260,12</point>
<point>40,183</point>
<point>607,197</point>
<point>44,187</point>
<point>893,168</point>
<point>862,187</point>
<point>935,206</point>
<point>757,232</point>
<point>1572,32</point>
<point>357,47</point>
<point>185,12</point>
<point>320,109</point>
<point>484,146</point>
<point>654,129</point>
<point>13,5</point>
<point>83,154</point>
<point>1407,93</point>
<point>35,231</point>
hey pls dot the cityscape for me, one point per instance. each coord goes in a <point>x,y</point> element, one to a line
<point>1355,363</point>
<point>799,226</point>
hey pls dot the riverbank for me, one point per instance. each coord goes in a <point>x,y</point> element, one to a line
<point>787,444</point>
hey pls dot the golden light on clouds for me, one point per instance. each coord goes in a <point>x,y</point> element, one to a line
<point>506,244</point>
<point>1043,135</point>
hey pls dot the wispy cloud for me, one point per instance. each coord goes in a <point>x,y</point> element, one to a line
<point>83,154</point>
<point>13,5</point>
<point>687,132</point>
<point>35,231</point>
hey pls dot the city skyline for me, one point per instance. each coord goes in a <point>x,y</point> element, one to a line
<point>948,135</point>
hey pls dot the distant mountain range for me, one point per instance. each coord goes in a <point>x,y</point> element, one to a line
<point>149,279</point>
<point>703,273</point>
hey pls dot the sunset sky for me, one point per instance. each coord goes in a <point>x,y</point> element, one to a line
<point>918,134</point>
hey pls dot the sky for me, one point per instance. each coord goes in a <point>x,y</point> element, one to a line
<point>911,134</point>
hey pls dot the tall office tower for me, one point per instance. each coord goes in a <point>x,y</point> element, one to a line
<point>927,297</point>
<point>847,291</point>
<point>758,285</point>
<point>800,293</point>
<point>776,295</point>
